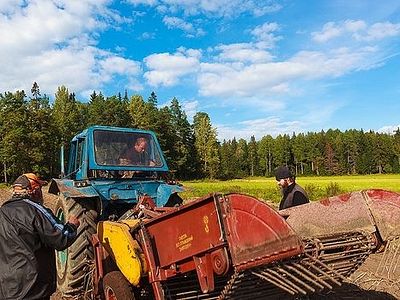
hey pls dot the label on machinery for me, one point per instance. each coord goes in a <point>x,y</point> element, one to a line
<point>184,242</point>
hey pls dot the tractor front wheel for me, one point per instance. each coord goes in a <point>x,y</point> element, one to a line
<point>116,287</point>
<point>74,263</point>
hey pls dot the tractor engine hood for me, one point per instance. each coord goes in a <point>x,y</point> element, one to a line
<point>112,190</point>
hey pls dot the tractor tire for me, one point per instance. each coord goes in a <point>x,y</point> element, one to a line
<point>74,263</point>
<point>116,287</point>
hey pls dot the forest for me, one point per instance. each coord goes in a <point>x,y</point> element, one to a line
<point>34,127</point>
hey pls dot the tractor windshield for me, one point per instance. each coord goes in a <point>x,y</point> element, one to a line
<point>113,148</point>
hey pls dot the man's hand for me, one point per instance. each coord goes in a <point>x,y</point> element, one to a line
<point>74,220</point>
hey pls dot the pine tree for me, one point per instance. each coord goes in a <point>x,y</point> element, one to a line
<point>253,156</point>
<point>14,141</point>
<point>206,144</point>
<point>183,148</point>
<point>42,130</point>
<point>265,150</point>
<point>396,147</point>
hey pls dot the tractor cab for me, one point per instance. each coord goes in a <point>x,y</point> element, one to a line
<point>101,152</point>
<point>115,167</point>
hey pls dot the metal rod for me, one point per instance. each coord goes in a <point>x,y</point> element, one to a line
<point>307,277</point>
<point>311,289</point>
<point>287,281</point>
<point>328,276</point>
<point>329,268</point>
<point>313,275</point>
<point>275,282</point>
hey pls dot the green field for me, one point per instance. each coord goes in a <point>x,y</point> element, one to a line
<point>317,187</point>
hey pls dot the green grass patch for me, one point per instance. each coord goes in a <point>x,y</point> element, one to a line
<point>4,185</point>
<point>317,186</point>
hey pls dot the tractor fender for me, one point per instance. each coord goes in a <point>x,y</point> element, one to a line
<point>117,240</point>
<point>164,191</point>
<point>68,190</point>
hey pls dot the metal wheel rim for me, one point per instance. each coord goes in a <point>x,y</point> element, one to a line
<point>109,293</point>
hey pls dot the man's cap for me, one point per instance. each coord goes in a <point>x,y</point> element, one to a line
<point>28,181</point>
<point>282,172</point>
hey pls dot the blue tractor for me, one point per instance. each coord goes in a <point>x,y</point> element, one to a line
<point>104,179</point>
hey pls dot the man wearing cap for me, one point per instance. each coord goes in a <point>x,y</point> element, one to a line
<point>293,194</point>
<point>29,233</point>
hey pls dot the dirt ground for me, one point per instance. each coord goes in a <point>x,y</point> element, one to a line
<point>371,281</point>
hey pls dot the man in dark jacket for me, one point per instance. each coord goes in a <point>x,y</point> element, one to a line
<point>29,233</point>
<point>293,194</point>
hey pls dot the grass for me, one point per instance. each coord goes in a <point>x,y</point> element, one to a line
<point>317,187</point>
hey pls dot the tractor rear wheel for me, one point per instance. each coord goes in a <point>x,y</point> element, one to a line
<point>74,263</point>
<point>116,287</point>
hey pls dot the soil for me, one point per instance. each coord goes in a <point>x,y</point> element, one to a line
<point>371,281</point>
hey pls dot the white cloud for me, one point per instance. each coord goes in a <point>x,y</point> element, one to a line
<point>174,22</point>
<point>354,26</point>
<point>190,108</point>
<point>243,52</point>
<point>265,34</point>
<point>219,8</point>
<point>259,128</point>
<point>112,65</point>
<point>245,70</point>
<point>143,2</point>
<point>147,36</point>
<point>166,69</point>
<point>270,78</point>
<point>53,43</point>
<point>9,7</point>
<point>379,31</point>
<point>329,31</point>
<point>358,30</point>
<point>389,129</point>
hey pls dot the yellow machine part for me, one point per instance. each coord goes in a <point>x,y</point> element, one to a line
<point>123,248</point>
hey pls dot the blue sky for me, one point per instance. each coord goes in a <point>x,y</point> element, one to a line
<point>256,67</point>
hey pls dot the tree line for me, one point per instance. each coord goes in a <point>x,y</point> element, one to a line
<point>33,129</point>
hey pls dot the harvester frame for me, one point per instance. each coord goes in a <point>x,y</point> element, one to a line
<point>202,250</point>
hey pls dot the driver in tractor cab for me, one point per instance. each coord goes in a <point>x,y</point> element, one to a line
<point>137,154</point>
<point>29,233</point>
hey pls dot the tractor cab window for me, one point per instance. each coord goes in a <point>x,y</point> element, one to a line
<point>126,149</point>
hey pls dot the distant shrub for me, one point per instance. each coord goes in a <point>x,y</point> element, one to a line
<point>313,191</point>
<point>333,189</point>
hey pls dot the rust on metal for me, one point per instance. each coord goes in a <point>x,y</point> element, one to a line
<point>256,233</point>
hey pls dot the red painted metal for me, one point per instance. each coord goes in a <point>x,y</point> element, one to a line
<point>256,233</point>
<point>212,235</point>
<point>189,231</point>
<point>227,234</point>
<point>220,261</point>
<point>205,272</point>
